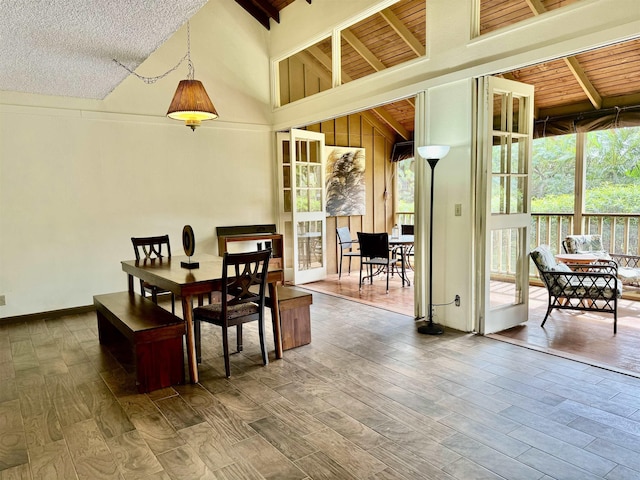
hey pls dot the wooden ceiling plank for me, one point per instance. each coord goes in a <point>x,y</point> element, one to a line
<point>361,48</point>
<point>586,85</point>
<point>404,33</point>
<point>393,123</point>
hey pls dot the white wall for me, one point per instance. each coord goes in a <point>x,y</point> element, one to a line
<point>449,119</point>
<point>78,178</point>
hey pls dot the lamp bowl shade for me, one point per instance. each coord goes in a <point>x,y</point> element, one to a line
<point>434,151</point>
<point>191,104</point>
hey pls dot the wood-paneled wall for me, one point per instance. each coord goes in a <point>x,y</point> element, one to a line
<point>363,130</point>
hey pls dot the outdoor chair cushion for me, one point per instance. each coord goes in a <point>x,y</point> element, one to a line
<point>584,244</point>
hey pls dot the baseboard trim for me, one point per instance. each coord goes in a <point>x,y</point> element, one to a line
<point>51,314</point>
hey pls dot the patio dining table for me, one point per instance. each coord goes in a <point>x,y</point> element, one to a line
<point>403,243</point>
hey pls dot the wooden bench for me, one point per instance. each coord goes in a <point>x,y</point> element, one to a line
<point>295,317</point>
<point>155,334</point>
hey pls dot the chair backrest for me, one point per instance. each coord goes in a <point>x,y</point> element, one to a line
<point>374,245</point>
<point>406,229</point>
<point>344,238</point>
<point>583,244</point>
<point>151,247</point>
<point>544,259</point>
<point>545,262</point>
<point>241,272</point>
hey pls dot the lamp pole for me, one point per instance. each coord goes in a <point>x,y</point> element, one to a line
<point>432,154</point>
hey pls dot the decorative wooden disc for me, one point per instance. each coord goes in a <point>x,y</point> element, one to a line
<point>188,240</point>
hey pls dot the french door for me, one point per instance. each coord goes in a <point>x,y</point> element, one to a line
<point>302,204</point>
<point>505,129</point>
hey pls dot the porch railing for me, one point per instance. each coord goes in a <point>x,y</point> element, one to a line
<point>404,218</point>
<point>620,234</point>
<point>620,231</point>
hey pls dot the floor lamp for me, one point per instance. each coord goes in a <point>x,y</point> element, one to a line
<point>431,153</point>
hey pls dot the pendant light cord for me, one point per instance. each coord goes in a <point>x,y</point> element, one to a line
<point>187,57</point>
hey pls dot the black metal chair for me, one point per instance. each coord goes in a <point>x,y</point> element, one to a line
<point>242,300</point>
<point>594,287</point>
<point>375,253</point>
<point>150,250</point>
<point>408,230</point>
<point>346,244</point>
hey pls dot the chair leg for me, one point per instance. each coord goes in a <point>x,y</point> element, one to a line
<point>360,281</point>
<point>388,277</point>
<point>196,334</point>
<point>545,317</point>
<point>239,336</point>
<point>225,348</point>
<point>173,304</point>
<point>340,266</point>
<point>349,265</point>
<point>263,341</point>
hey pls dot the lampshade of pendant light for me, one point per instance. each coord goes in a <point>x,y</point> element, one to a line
<point>191,104</point>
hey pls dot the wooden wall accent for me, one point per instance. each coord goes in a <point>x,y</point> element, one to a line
<point>362,130</point>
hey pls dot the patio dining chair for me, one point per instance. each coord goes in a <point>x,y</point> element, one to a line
<point>346,245</point>
<point>573,287</point>
<point>377,257</point>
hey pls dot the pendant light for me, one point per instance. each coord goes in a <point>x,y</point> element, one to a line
<point>191,103</point>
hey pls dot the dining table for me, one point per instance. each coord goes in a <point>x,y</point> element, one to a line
<point>190,283</point>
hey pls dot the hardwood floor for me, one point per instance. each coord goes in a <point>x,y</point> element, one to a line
<point>369,398</point>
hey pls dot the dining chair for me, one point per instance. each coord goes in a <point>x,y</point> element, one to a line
<point>346,244</point>
<point>375,252</point>
<point>150,249</point>
<point>408,230</point>
<point>242,300</point>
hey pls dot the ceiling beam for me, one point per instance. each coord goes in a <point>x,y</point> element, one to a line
<point>255,12</point>
<point>573,64</point>
<point>268,9</point>
<point>536,6</point>
<point>590,91</point>
<point>392,122</point>
<point>404,33</point>
<point>362,50</point>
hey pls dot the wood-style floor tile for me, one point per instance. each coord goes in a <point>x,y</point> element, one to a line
<point>51,462</point>
<point>13,443</point>
<point>369,399</point>
<point>90,454</point>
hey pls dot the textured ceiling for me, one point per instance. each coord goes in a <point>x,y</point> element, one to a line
<point>66,47</point>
